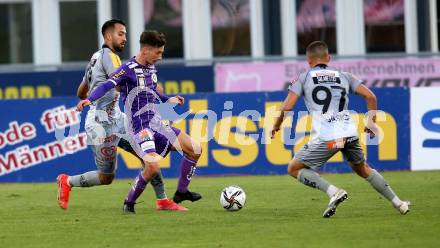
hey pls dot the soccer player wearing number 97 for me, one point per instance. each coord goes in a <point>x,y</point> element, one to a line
<point>325,95</point>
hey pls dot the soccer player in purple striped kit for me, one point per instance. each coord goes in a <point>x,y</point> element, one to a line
<point>150,137</point>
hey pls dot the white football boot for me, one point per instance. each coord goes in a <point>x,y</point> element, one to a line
<point>340,196</point>
<point>404,207</point>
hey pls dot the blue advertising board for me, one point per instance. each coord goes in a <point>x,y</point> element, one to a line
<point>29,85</point>
<point>35,144</point>
<point>186,79</point>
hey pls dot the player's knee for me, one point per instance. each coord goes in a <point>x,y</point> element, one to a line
<point>106,179</point>
<point>196,151</point>
<point>153,169</point>
<point>294,167</point>
<point>150,158</point>
<point>362,169</point>
<point>292,171</point>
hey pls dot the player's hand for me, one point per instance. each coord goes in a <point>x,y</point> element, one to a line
<point>80,106</point>
<point>274,131</point>
<point>177,100</point>
<point>372,130</point>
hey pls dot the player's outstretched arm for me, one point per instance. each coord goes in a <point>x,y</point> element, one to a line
<point>288,105</point>
<point>96,94</point>
<point>371,100</point>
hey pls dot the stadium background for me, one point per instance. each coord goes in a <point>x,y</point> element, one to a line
<point>216,50</point>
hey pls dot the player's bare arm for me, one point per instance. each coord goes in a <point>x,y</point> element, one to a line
<point>83,88</point>
<point>288,105</point>
<point>371,100</point>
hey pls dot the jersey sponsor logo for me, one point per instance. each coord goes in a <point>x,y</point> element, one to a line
<point>108,139</point>
<point>109,151</point>
<point>141,81</point>
<point>339,143</point>
<point>154,77</point>
<point>325,77</point>
<point>117,75</point>
<point>336,117</point>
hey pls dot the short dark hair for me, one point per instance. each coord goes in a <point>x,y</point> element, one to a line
<point>317,49</point>
<point>110,24</point>
<point>152,38</point>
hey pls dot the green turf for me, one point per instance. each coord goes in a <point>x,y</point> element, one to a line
<point>279,212</point>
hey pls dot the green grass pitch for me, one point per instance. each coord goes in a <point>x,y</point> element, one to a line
<point>279,212</point>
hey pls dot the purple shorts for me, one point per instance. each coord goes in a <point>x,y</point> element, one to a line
<point>159,141</point>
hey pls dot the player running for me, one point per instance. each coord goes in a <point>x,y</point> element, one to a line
<point>105,122</point>
<point>325,95</point>
<point>151,138</point>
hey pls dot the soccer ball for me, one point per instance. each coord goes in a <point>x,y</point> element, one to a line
<point>232,198</point>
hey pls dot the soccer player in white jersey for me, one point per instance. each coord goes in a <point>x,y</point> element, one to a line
<point>105,122</point>
<point>325,94</point>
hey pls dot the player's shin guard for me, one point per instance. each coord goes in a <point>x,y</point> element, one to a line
<point>187,169</point>
<point>380,185</point>
<point>136,190</point>
<point>312,179</point>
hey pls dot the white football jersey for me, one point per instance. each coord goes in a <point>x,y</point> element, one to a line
<point>325,92</point>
